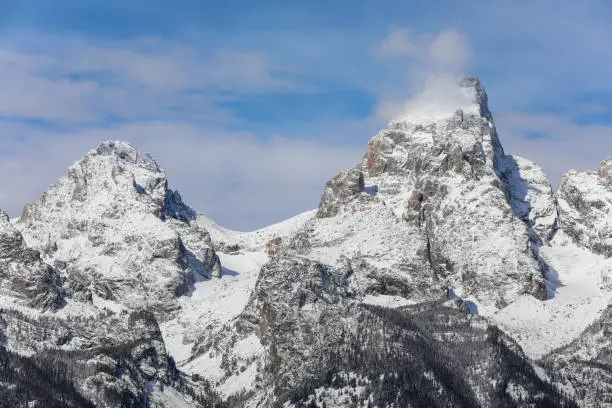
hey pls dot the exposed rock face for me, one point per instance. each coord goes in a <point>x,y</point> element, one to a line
<point>339,190</point>
<point>23,274</point>
<point>176,209</point>
<point>531,197</point>
<point>585,204</point>
<point>116,231</point>
<point>605,171</point>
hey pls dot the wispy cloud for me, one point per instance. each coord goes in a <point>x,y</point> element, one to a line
<point>450,52</point>
<point>400,42</point>
<point>80,82</point>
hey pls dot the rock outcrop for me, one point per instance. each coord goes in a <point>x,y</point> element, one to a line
<point>108,359</point>
<point>531,197</point>
<point>339,190</point>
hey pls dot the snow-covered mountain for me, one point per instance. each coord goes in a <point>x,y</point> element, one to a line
<point>438,271</point>
<point>117,232</point>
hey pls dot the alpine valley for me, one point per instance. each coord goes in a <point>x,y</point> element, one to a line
<point>439,271</point>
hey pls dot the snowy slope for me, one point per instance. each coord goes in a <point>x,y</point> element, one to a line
<point>585,206</point>
<point>24,277</point>
<point>579,299</point>
<point>582,367</point>
<point>212,304</point>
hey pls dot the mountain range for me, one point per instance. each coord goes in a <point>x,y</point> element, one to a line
<point>439,271</point>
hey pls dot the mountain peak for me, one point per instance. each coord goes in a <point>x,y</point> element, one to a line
<point>113,172</point>
<point>112,225</point>
<point>480,94</point>
<point>431,171</point>
<point>450,116</point>
<point>124,153</point>
<point>113,146</point>
<point>605,170</point>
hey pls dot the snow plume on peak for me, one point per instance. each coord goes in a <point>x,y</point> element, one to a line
<point>442,97</point>
<point>435,67</point>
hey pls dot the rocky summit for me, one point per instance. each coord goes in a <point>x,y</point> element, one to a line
<point>439,271</point>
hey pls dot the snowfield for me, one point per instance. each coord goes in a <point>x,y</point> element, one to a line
<point>213,303</point>
<point>578,299</point>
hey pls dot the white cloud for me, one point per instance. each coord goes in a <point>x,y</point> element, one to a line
<point>68,80</point>
<point>165,96</point>
<point>27,93</point>
<point>245,182</point>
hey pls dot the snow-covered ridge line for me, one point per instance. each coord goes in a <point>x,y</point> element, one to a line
<point>257,239</point>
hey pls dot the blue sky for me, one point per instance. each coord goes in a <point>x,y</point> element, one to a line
<point>251,107</point>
